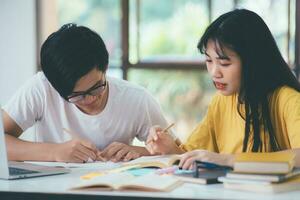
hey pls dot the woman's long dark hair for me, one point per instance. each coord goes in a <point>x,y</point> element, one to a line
<point>263,69</point>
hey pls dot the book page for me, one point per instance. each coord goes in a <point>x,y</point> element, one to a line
<point>160,161</point>
<point>127,181</point>
<point>152,182</point>
<point>111,180</point>
<point>99,165</point>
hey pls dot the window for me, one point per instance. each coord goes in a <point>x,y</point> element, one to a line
<point>153,43</point>
<point>277,14</point>
<point>166,31</point>
<point>102,16</point>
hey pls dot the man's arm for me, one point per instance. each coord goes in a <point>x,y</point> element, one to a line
<point>22,150</point>
<point>75,150</point>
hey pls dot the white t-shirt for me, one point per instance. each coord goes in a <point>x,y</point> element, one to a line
<point>130,112</point>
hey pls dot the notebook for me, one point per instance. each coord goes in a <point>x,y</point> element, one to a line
<point>264,177</point>
<point>261,186</point>
<point>126,181</point>
<point>264,163</point>
<point>205,176</point>
<point>17,170</point>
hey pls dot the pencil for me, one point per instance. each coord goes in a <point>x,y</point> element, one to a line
<point>164,130</point>
<point>170,126</point>
<point>177,141</point>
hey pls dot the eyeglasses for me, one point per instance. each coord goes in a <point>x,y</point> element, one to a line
<point>96,90</point>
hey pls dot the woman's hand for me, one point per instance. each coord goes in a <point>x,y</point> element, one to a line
<point>187,159</point>
<point>159,142</point>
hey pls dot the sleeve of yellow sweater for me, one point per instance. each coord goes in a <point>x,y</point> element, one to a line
<point>292,118</point>
<point>203,136</point>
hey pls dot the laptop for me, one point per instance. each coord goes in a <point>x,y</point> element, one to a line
<point>16,170</point>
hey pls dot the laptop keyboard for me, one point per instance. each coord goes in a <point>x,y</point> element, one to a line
<point>18,171</point>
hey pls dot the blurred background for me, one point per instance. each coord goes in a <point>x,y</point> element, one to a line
<point>151,43</point>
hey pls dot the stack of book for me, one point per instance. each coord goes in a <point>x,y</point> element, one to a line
<point>263,172</point>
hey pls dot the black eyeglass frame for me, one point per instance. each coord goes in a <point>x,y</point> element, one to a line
<point>92,92</point>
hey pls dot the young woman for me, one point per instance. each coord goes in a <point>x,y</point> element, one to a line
<point>257,108</point>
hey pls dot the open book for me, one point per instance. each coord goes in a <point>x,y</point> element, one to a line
<point>154,161</point>
<point>126,181</point>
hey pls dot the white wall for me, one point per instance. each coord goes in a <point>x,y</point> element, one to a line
<point>17,45</point>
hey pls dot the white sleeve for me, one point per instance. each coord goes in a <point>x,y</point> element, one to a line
<point>152,115</point>
<point>26,105</point>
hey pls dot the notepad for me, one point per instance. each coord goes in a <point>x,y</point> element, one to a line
<point>205,176</point>
<point>126,181</point>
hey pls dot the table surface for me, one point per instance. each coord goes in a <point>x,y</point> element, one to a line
<point>57,187</point>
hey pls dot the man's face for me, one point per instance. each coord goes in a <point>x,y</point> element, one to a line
<point>89,91</point>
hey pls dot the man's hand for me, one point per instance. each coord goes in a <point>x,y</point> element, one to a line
<point>117,151</point>
<point>75,150</point>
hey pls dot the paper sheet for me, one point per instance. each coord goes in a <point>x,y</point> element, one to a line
<point>98,165</point>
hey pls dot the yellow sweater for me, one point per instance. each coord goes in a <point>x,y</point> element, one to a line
<point>222,129</point>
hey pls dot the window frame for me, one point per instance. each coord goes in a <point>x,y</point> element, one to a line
<point>126,65</point>
<point>44,19</point>
<point>297,40</point>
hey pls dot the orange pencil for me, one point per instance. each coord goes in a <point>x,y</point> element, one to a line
<point>165,130</point>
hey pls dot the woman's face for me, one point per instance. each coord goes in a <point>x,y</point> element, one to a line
<point>225,70</point>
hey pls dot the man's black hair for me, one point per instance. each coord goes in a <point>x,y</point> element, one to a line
<point>70,53</point>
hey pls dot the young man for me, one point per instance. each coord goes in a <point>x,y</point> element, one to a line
<point>78,112</point>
